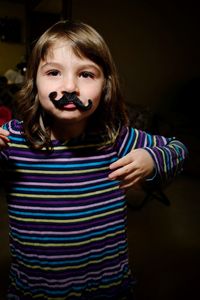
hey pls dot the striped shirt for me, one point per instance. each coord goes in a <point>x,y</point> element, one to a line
<point>68,221</point>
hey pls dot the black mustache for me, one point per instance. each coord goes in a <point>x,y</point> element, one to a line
<point>69,98</point>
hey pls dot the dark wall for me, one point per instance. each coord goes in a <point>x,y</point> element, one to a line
<point>155,44</point>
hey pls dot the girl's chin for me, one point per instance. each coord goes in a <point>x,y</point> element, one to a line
<point>69,116</point>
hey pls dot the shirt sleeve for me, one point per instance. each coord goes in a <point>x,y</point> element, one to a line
<point>4,153</point>
<point>168,153</point>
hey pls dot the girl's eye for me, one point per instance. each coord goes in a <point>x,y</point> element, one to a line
<point>53,73</point>
<point>87,74</point>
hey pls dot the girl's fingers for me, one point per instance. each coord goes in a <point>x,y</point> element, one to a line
<point>121,172</point>
<point>4,138</point>
<point>121,162</point>
<point>4,131</point>
<point>4,135</point>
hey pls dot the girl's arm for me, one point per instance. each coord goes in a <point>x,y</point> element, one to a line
<point>157,161</point>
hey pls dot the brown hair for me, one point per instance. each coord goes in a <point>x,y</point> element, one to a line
<point>86,42</point>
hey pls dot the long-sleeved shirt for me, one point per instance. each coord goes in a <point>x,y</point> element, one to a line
<point>68,221</point>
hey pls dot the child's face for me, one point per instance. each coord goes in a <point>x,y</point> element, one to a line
<point>63,71</point>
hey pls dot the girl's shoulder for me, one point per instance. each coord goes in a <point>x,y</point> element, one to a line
<point>124,134</point>
<point>128,138</point>
<point>123,139</point>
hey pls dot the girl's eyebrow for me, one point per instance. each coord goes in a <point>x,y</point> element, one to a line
<point>50,64</point>
<point>87,65</point>
<point>79,65</point>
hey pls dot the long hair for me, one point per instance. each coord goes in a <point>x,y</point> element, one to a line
<point>85,42</point>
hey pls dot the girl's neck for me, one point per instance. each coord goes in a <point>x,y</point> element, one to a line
<point>64,131</point>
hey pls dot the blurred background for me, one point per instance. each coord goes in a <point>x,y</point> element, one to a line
<point>156,47</point>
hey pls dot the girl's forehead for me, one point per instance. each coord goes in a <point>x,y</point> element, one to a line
<point>63,51</point>
<point>59,45</point>
<point>64,47</point>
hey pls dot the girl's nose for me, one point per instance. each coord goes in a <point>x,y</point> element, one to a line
<point>70,85</point>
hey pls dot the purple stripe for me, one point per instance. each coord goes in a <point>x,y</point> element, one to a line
<point>53,184</point>
<point>72,255</point>
<point>85,201</point>
<point>66,160</point>
<point>62,209</point>
<point>68,178</point>
<point>70,226</point>
<point>117,266</point>
<point>66,250</point>
<point>140,139</point>
<point>123,142</point>
<point>81,278</point>
<point>68,233</point>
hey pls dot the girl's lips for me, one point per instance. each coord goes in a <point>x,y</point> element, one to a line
<point>69,106</point>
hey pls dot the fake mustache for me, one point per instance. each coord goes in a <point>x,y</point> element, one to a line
<point>69,98</point>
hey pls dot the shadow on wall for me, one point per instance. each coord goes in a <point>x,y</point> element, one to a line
<point>182,118</point>
<point>178,116</point>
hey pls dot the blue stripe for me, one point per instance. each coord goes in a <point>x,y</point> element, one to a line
<point>17,139</point>
<point>130,142</point>
<point>73,261</point>
<point>55,190</point>
<point>112,279</point>
<point>35,291</point>
<point>65,165</point>
<point>73,238</point>
<point>118,204</point>
<point>150,140</point>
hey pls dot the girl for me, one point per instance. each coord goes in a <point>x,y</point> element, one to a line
<point>68,160</point>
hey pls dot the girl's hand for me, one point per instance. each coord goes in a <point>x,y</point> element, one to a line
<point>132,168</point>
<point>3,137</point>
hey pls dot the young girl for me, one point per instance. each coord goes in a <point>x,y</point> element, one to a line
<point>68,160</point>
